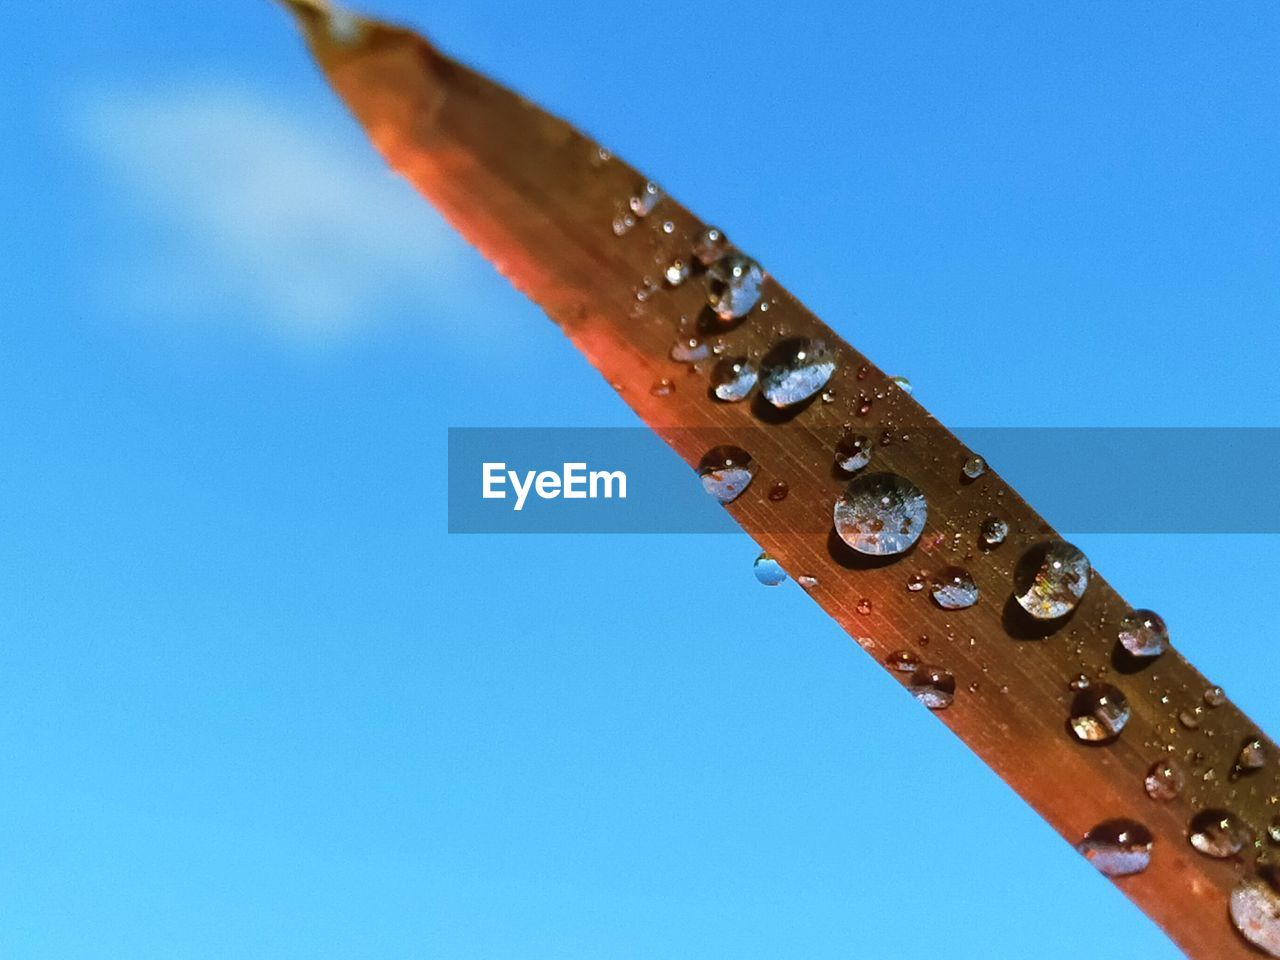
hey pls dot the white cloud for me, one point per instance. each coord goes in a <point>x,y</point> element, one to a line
<point>255,209</point>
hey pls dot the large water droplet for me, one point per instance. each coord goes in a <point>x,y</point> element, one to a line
<point>1218,833</point>
<point>954,589</point>
<point>794,370</point>
<point>1164,781</point>
<point>710,246</point>
<point>1144,634</point>
<point>1255,910</point>
<point>1098,714</point>
<point>880,514</point>
<point>1050,579</point>
<point>1118,847</point>
<point>769,571</point>
<point>853,452</point>
<point>733,378</point>
<point>733,285</point>
<point>935,687</point>
<point>726,471</point>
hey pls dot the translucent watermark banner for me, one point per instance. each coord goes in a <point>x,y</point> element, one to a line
<point>1080,479</point>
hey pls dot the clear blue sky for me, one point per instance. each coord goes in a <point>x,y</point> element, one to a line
<point>254,702</point>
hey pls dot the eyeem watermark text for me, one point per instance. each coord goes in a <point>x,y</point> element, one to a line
<point>573,482</point>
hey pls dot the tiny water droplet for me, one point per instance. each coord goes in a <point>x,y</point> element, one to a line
<point>690,350</point>
<point>1165,781</point>
<point>1253,756</point>
<point>733,378</point>
<point>1255,911</point>
<point>622,224</point>
<point>676,273</point>
<point>1118,847</point>
<point>994,530</point>
<point>1079,682</point>
<point>853,452</point>
<point>915,582</point>
<point>794,370</point>
<point>668,227</point>
<point>726,471</point>
<point>769,571</point>
<point>902,383</point>
<point>935,687</point>
<point>974,467</point>
<point>903,661</point>
<point>1050,579</point>
<point>880,514</point>
<point>1273,830</point>
<point>1218,833</point>
<point>807,581</point>
<point>828,396</point>
<point>663,388</point>
<point>642,203</point>
<point>710,246</point>
<point>864,607</point>
<point>1215,697</point>
<point>954,589</point>
<point>1190,718</point>
<point>778,492</point>
<point>1098,714</point>
<point>733,286</point>
<point>1144,634</point>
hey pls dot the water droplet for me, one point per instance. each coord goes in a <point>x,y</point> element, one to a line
<point>864,607</point>
<point>733,286</point>
<point>769,571</point>
<point>1253,756</point>
<point>880,514</point>
<point>853,452</point>
<point>733,378</point>
<point>778,492</point>
<point>1050,579</point>
<point>933,686</point>
<point>903,661</point>
<point>1165,781</point>
<point>1218,833</point>
<point>902,383</point>
<point>915,582</point>
<point>710,246</point>
<point>690,350</point>
<point>1255,910</point>
<point>676,273</point>
<point>622,224</point>
<point>726,471</point>
<point>1144,634</point>
<point>663,388</point>
<point>642,203</point>
<point>994,530</point>
<point>1215,697</point>
<point>1190,718</point>
<point>954,589</point>
<point>794,370</point>
<point>668,227</point>
<point>1098,714</point>
<point>807,581</point>
<point>1079,682</point>
<point>1118,848</point>
<point>974,467</point>
<point>1273,830</point>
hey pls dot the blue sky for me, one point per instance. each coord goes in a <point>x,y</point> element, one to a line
<point>255,702</point>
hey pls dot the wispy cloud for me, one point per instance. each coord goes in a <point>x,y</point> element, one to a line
<point>255,209</point>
